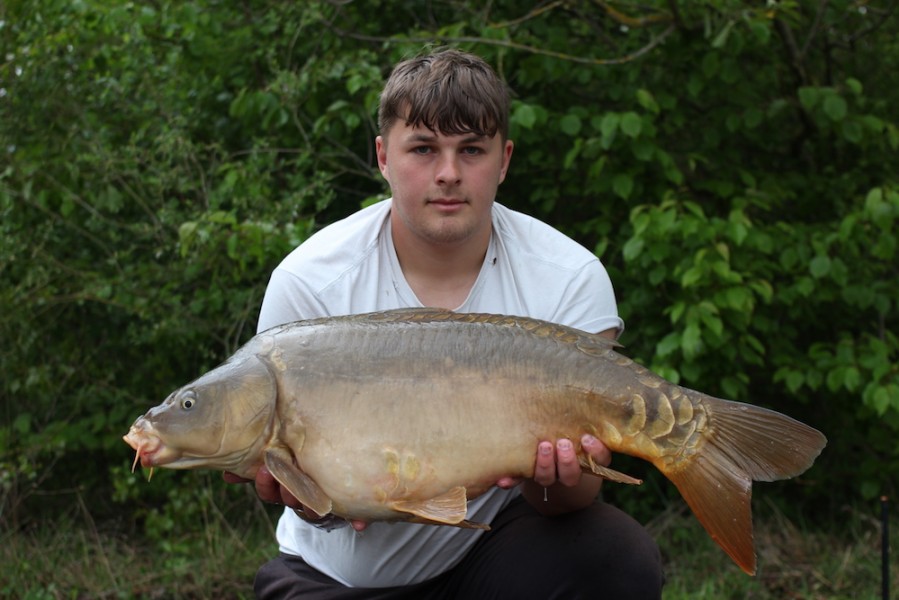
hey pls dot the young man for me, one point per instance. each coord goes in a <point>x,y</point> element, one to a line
<point>442,241</point>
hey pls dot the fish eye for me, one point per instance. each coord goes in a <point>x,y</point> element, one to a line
<point>188,401</point>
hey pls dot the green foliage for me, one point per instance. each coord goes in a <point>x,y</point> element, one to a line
<point>73,556</point>
<point>733,165</point>
<point>794,562</point>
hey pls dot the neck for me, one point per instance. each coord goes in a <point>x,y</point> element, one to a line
<point>441,275</point>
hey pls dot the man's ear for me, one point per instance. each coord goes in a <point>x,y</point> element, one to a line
<point>381,152</point>
<point>507,158</point>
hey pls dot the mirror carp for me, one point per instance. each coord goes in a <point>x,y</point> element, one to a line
<point>405,415</point>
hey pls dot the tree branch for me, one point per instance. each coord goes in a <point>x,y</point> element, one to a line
<point>532,14</point>
<point>514,46</point>
<point>633,22</point>
<point>813,31</point>
<point>795,58</point>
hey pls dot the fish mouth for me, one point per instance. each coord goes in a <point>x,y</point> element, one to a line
<point>150,450</point>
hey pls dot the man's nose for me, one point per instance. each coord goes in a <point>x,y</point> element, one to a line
<point>448,169</point>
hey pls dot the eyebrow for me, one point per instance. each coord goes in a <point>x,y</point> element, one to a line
<point>424,137</point>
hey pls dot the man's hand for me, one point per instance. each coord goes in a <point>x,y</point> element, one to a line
<point>269,490</point>
<point>557,486</point>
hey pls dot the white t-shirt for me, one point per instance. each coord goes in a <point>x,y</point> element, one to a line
<point>351,267</point>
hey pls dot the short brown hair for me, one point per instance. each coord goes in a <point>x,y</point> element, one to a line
<point>450,91</point>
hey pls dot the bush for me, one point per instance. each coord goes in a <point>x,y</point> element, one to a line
<point>732,165</point>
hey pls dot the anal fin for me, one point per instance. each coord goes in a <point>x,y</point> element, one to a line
<point>589,465</point>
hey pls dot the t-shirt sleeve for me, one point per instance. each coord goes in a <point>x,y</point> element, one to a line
<point>288,298</point>
<point>588,301</point>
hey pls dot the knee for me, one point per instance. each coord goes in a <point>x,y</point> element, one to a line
<point>601,552</point>
<point>626,561</point>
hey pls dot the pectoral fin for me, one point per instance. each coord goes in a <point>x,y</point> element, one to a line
<point>280,462</point>
<point>589,465</point>
<point>446,509</point>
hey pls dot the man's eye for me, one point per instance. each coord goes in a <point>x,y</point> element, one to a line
<point>471,150</point>
<point>421,150</point>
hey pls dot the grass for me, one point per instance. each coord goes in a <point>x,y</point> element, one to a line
<point>794,563</point>
<point>215,556</point>
<point>217,553</point>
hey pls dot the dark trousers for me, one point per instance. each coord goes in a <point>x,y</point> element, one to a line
<point>598,552</point>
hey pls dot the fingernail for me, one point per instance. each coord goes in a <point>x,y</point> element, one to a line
<point>546,448</point>
<point>565,445</point>
<point>588,440</point>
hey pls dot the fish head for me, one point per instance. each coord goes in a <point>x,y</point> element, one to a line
<point>220,421</point>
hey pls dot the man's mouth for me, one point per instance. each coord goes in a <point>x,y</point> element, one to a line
<point>447,203</point>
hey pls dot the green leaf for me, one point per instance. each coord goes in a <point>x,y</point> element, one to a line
<point>820,266</point>
<point>632,248</point>
<point>794,381</point>
<point>643,149</point>
<point>710,64</point>
<point>753,117</point>
<point>570,124</point>
<point>22,423</point>
<point>631,124</point>
<point>809,97</point>
<point>677,311</point>
<point>835,107</point>
<point>738,298</point>
<point>691,340</point>
<point>763,289</point>
<point>573,153</point>
<point>66,208</point>
<point>692,276</point>
<point>646,100</point>
<point>875,206</point>
<point>805,286</point>
<point>623,185</point>
<point>608,129</point>
<point>713,323</point>
<point>668,344</point>
<point>880,400</point>
<point>852,378</point>
<point>721,38</point>
<point>524,115</point>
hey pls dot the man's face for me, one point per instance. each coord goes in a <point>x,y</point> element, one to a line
<point>443,185</point>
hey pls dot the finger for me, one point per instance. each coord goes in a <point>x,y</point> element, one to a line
<point>267,487</point>
<point>288,499</point>
<point>358,525</point>
<point>595,448</point>
<point>567,465</point>
<point>230,477</point>
<point>508,483</point>
<point>545,467</point>
<point>269,490</point>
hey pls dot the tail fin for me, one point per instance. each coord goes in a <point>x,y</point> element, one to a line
<point>742,444</point>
